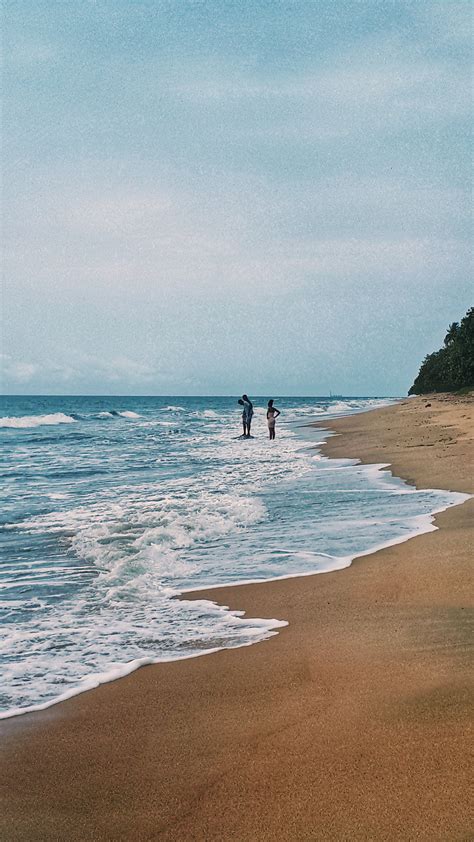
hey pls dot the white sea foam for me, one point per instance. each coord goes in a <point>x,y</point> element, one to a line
<point>25,421</point>
<point>261,629</point>
<point>207,413</point>
<point>126,413</point>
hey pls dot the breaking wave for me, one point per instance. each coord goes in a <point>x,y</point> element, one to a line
<point>25,421</point>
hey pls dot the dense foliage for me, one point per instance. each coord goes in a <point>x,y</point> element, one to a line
<point>452,367</point>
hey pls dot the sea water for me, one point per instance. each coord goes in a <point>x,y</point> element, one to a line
<point>111,507</point>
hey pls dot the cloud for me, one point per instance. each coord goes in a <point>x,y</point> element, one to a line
<point>355,258</point>
<point>22,372</point>
<point>214,241</point>
<point>78,370</point>
<point>24,53</point>
<point>381,85</point>
<point>445,24</point>
<point>117,369</point>
<point>17,370</point>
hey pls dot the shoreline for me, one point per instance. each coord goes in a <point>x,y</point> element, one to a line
<point>206,591</point>
<point>198,733</point>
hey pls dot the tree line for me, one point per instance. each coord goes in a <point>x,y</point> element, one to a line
<point>452,367</point>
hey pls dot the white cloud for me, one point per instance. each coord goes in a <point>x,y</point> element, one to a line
<point>17,370</point>
<point>352,258</point>
<point>380,84</point>
<point>119,368</point>
<point>25,53</point>
<point>445,23</point>
<point>79,369</point>
<point>158,242</point>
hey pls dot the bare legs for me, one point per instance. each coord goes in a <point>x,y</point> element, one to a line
<point>246,426</point>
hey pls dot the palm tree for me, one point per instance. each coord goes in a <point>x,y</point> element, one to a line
<point>453,331</point>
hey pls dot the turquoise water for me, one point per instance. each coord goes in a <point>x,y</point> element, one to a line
<point>113,506</point>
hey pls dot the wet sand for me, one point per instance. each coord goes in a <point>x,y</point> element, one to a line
<point>351,724</point>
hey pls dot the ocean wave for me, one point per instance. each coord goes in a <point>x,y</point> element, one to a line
<point>207,413</point>
<point>115,413</point>
<point>25,421</point>
<point>149,533</point>
<point>322,408</point>
<point>357,405</point>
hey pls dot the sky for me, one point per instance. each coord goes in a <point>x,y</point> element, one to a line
<point>217,197</point>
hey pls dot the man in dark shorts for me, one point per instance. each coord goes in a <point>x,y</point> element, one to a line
<point>247,414</point>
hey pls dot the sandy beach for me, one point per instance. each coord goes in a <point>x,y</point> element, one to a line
<point>351,724</point>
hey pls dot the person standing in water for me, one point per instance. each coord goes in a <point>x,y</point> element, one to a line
<point>246,414</point>
<point>272,415</point>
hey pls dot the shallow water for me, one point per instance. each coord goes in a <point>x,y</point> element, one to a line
<point>113,506</point>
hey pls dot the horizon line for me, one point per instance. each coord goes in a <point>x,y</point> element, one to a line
<point>104,395</point>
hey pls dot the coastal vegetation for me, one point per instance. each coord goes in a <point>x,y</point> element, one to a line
<point>452,367</point>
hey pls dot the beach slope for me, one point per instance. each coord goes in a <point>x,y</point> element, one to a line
<point>351,723</point>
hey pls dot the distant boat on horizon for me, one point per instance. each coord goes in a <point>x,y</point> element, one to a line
<point>337,397</point>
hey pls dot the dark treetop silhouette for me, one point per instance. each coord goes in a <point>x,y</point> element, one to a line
<point>452,367</point>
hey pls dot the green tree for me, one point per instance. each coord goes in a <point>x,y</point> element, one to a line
<point>452,367</point>
<point>452,333</point>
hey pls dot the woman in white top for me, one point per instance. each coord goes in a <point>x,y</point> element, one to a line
<point>272,415</point>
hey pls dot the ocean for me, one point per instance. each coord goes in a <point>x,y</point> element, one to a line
<point>112,507</point>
